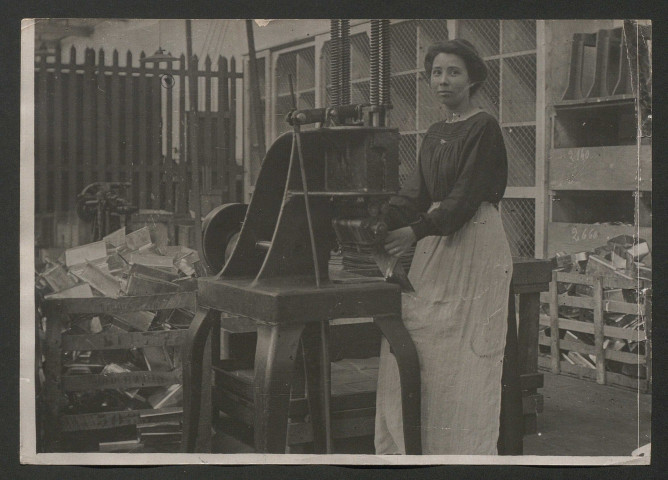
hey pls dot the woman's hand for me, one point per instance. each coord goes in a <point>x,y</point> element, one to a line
<point>399,240</point>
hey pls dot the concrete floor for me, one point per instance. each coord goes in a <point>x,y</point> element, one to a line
<point>579,418</point>
<point>583,418</point>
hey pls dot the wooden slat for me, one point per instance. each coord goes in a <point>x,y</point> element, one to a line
<point>105,420</point>
<point>116,124</point>
<point>169,145</point>
<point>58,123</point>
<point>42,123</point>
<point>89,115</point>
<point>610,354</point>
<point>129,158</point>
<point>232,163</point>
<point>115,341</point>
<point>155,145</point>
<point>608,305</point>
<point>206,157</point>
<point>222,139</point>
<point>623,307</point>
<point>102,124</point>
<point>554,325</point>
<point>72,130</point>
<point>573,301</point>
<point>586,327</point>
<point>121,304</point>
<point>617,379</point>
<point>612,281</point>
<point>182,192</point>
<point>81,383</point>
<point>142,118</point>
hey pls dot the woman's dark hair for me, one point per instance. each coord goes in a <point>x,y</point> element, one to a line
<point>475,65</point>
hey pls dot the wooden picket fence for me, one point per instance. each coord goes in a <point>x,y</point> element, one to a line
<point>129,123</point>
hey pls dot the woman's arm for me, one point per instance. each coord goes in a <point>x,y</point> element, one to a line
<point>482,177</point>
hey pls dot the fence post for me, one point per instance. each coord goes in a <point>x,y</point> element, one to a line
<point>89,111</point>
<point>129,158</point>
<point>182,188</point>
<point>169,159</point>
<point>144,189</point>
<point>116,125</point>
<point>598,330</point>
<point>155,146</point>
<point>222,150</point>
<point>72,130</point>
<point>58,135</point>
<point>555,354</point>
<point>206,159</point>
<point>102,119</point>
<point>232,151</point>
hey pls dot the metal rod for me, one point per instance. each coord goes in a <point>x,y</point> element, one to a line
<point>326,374</point>
<point>297,137</point>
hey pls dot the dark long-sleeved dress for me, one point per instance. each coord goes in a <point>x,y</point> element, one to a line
<point>461,272</point>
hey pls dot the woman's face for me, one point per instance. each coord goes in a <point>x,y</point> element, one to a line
<point>450,79</point>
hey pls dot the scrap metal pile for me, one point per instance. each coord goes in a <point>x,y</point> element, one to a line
<point>123,265</point>
<point>626,259</point>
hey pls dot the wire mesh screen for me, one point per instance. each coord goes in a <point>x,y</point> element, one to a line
<point>518,90</point>
<point>519,221</point>
<point>300,66</point>
<point>509,49</point>
<point>520,146</point>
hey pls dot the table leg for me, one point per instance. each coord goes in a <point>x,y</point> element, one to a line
<point>527,339</point>
<point>315,384</point>
<point>274,368</point>
<point>511,429</point>
<point>194,351</point>
<point>408,362</point>
<point>53,395</point>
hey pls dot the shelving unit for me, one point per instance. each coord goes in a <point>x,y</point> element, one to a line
<point>597,171</point>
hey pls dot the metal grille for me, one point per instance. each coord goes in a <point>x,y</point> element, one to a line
<point>518,89</point>
<point>520,145</point>
<point>299,64</point>
<point>518,215</point>
<point>509,93</point>
<point>484,34</point>
<point>518,35</point>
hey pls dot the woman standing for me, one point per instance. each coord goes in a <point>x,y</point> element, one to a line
<point>461,271</point>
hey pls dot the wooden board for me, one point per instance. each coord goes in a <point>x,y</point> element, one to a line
<point>579,237</point>
<point>586,327</point>
<point>571,345</point>
<point>80,383</point>
<point>122,304</point>
<point>98,421</point>
<point>112,341</point>
<point>601,168</point>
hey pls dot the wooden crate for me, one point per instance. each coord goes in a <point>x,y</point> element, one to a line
<point>57,313</point>
<point>598,305</point>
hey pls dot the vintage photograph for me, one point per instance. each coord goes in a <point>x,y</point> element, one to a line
<point>345,241</point>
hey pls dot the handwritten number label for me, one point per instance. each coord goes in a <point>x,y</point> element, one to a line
<point>586,233</point>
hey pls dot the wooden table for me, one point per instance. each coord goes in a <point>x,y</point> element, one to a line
<point>283,310</point>
<point>520,400</point>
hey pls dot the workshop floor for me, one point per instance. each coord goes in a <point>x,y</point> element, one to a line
<point>579,418</point>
